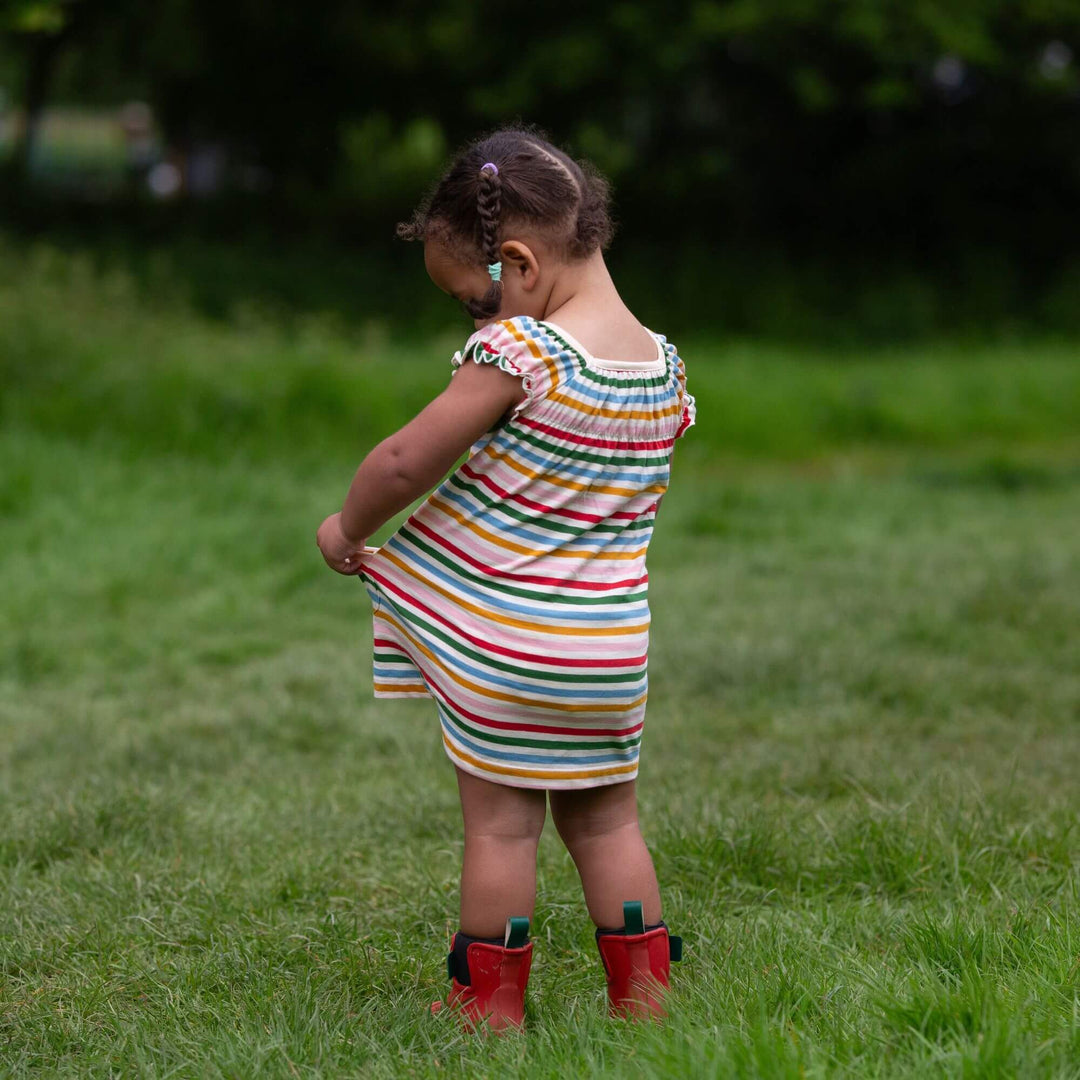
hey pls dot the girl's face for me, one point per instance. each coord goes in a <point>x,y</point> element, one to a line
<point>466,282</point>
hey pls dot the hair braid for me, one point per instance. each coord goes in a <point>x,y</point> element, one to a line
<point>529,185</point>
<point>489,207</point>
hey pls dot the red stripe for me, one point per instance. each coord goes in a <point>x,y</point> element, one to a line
<point>531,579</point>
<point>543,729</point>
<point>559,661</point>
<point>490,484</point>
<point>503,725</point>
<point>587,440</point>
<point>592,519</point>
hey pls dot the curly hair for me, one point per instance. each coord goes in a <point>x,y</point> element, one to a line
<point>534,184</point>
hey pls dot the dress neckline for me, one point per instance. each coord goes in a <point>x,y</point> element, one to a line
<point>602,364</point>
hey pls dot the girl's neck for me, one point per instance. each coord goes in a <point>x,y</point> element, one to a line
<point>582,286</point>
<point>584,301</point>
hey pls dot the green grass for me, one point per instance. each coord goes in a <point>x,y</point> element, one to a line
<point>220,857</point>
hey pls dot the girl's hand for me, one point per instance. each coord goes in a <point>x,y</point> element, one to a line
<point>341,553</point>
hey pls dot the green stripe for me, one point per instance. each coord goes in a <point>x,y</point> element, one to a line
<point>659,380</point>
<point>540,744</point>
<point>501,665</point>
<point>660,461</point>
<point>594,376</point>
<point>545,523</point>
<point>513,590</point>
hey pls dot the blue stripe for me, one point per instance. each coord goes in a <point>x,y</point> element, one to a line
<point>627,692</point>
<point>582,471</point>
<point>641,524</point>
<point>574,378</point>
<point>616,398</point>
<point>477,511</point>
<point>528,326</point>
<point>631,612</point>
<point>534,759</point>
<point>568,363</point>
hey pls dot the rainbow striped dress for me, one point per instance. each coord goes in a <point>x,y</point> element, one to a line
<point>516,595</point>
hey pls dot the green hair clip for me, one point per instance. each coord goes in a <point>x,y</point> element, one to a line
<point>495,270</point>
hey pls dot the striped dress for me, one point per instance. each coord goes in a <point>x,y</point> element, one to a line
<point>516,595</point>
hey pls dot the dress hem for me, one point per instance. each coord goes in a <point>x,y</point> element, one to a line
<point>539,783</point>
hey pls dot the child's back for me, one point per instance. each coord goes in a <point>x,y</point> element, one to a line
<point>516,595</point>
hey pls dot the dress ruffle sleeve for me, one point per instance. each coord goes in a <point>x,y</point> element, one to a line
<point>689,405</point>
<point>507,345</point>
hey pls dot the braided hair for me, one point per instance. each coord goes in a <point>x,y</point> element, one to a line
<point>532,185</point>
<point>488,205</point>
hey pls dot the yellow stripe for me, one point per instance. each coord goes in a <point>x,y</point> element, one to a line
<point>499,695</point>
<point>548,362</point>
<point>573,485</point>
<point>521,624</point>
<point>573,403</point>
<point>520,549</point>
<point>402,688</point>
<point>616,413</point>
<point>538,774</point>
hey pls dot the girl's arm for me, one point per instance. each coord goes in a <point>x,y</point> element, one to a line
<point>413,460</point>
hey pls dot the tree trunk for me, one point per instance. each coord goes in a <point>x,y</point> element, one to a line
<point>44,50</point>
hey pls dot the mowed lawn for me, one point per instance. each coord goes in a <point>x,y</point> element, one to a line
<point>219,857</point>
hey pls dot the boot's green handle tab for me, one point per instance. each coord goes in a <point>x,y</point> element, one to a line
<point>633,918</point>
<point>517,932</point>
<point>674,948</point>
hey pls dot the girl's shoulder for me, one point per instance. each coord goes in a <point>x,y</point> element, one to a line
<point>510,337</point>
<point>519,345</point>
<point>547,363</point>
<point>516,346</point>
<point>546,354</point>
<point>531,340</point>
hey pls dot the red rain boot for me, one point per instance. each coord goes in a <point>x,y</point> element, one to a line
<point>638,963</point>
<point>498,974</point>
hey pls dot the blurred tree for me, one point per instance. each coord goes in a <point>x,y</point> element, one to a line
<point>855,120</point>
<point>42,28</point>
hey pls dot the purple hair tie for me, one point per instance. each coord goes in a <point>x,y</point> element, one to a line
<point>490,165</point>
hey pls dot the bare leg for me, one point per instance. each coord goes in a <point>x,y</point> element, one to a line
<point>498,874</point>
<point>600,829</point>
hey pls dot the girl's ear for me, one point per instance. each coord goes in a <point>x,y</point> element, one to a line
<point>519,260</point>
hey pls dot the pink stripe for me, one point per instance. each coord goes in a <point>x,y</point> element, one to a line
<point>531,579</point>
<point>588,440</point>
<point>502,725</point>
<point>577,515</point>
<point>554,661</point>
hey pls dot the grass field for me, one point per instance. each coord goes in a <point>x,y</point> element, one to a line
<point>220,857</point>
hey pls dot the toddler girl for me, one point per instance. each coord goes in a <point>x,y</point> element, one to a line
<point>515,596</point>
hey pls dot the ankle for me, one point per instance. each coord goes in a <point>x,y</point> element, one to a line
<point>457,962</point>
<point>622,931</point>
<point>515,937</point>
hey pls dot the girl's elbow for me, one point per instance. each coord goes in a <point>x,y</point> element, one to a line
<point>403,473</point>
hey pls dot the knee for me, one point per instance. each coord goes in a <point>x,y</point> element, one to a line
<point>505,834</point>
<point>501,814</point>
<point>580,837</point>
<point>581,821</point>
<point>522,827</point>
